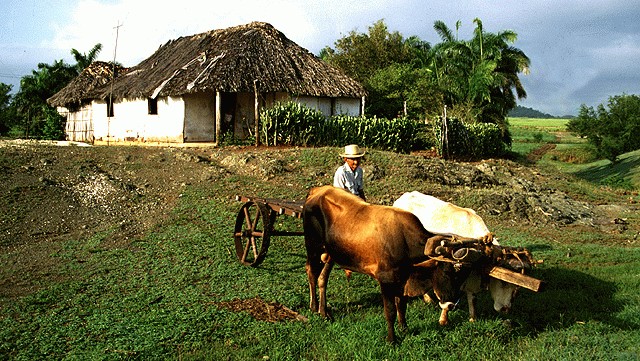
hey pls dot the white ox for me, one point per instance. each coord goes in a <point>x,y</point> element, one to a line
<point>438,216</point>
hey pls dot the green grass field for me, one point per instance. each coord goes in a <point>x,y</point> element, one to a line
<point>161,297</point>
<point>541,124</point>
<point>573,155</point>
<point>158,299</point>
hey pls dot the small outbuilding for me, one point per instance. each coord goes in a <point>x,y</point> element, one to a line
<point>202,87</point>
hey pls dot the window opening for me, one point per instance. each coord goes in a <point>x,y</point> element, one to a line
<point>153,106</point>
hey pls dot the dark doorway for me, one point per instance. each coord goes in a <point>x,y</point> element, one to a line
<point>228,116</point>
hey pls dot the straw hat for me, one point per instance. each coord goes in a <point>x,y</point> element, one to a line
<point>352,151</point>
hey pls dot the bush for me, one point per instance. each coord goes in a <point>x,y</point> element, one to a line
<point>617,181</point>
<point>53,124</point>
<point>399,135</point>
<point>613,130</point>
<point>455,138</point>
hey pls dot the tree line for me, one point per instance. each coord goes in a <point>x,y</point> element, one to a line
<point>27,113</point>
<point>476,79</point>
<point>613,129</point>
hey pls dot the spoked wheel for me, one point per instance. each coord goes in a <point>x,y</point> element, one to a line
<point>252,233</point>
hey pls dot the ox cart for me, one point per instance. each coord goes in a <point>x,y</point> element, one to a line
<point>255,225</point>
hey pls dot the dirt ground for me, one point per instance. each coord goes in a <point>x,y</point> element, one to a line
<point>51,192</point>
<point>60,192</point>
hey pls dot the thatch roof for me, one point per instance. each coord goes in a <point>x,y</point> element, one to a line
<point>230,60</point>
<point>81,87</point>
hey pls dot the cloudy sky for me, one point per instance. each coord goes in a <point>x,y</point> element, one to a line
<point>582,52</point>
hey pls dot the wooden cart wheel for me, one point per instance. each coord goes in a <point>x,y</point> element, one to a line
<point>252,233</point>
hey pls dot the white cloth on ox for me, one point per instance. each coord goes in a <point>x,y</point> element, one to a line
<point>440,217</point>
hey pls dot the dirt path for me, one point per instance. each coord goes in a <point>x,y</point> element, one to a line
<point>535,155</point>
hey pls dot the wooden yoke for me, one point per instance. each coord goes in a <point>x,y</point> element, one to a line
<point>449,248</point>
<point>516,278</point>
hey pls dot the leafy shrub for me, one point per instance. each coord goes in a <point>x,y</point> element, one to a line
<point>537,137</point>
<point>399,135</point>
<point>613,130</point>
<point>455,138</point>
<point>576,154</point>
<point>486,140</point>
<point>53,124</point>
<point>617,181</point>
<point>451,137</point>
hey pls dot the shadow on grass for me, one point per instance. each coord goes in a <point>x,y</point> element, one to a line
<point>624,168</point>
<point>570,297</point>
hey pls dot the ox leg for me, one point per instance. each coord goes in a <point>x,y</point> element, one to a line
<point>322,285</point>
<point>444,288</point>
<point>313,268</point>
<point>444,316</point>
<point>471,286</point>
<point>471,300</point>
<point>401,305</point>
<point>389,293</point>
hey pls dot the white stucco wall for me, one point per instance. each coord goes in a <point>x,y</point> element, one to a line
<point>341,106</point>
<point>348,106</point>
<point>131,121</point>
<point>190,118</point>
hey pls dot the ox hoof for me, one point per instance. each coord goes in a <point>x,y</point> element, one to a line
<point>313,307</point>
<point>326,315</point>
<point>392,340</point>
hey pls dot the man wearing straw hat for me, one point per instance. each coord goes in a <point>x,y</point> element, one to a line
<point>350,175</point>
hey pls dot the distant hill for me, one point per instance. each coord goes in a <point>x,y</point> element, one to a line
<point>524,112</point>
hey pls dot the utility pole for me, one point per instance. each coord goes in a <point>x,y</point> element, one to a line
<point>113,77</point>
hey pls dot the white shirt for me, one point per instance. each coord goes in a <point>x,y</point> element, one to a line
<point>347,179</point>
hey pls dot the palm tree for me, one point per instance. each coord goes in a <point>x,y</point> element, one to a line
<point>449,64</point>
<point>506,63</point>
<point>481,73</point>
<point>84,60</point>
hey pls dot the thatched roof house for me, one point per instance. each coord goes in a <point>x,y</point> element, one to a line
<point>195,87</point>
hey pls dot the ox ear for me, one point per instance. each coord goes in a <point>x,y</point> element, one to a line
<point>430,263</point>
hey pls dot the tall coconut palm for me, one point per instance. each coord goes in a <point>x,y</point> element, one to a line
<point>84,60</point>
<point>481,73</point>
<point>507,62</point>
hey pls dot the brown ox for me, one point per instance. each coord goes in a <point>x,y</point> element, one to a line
<point>380,241</point>
<point>442,217</point>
